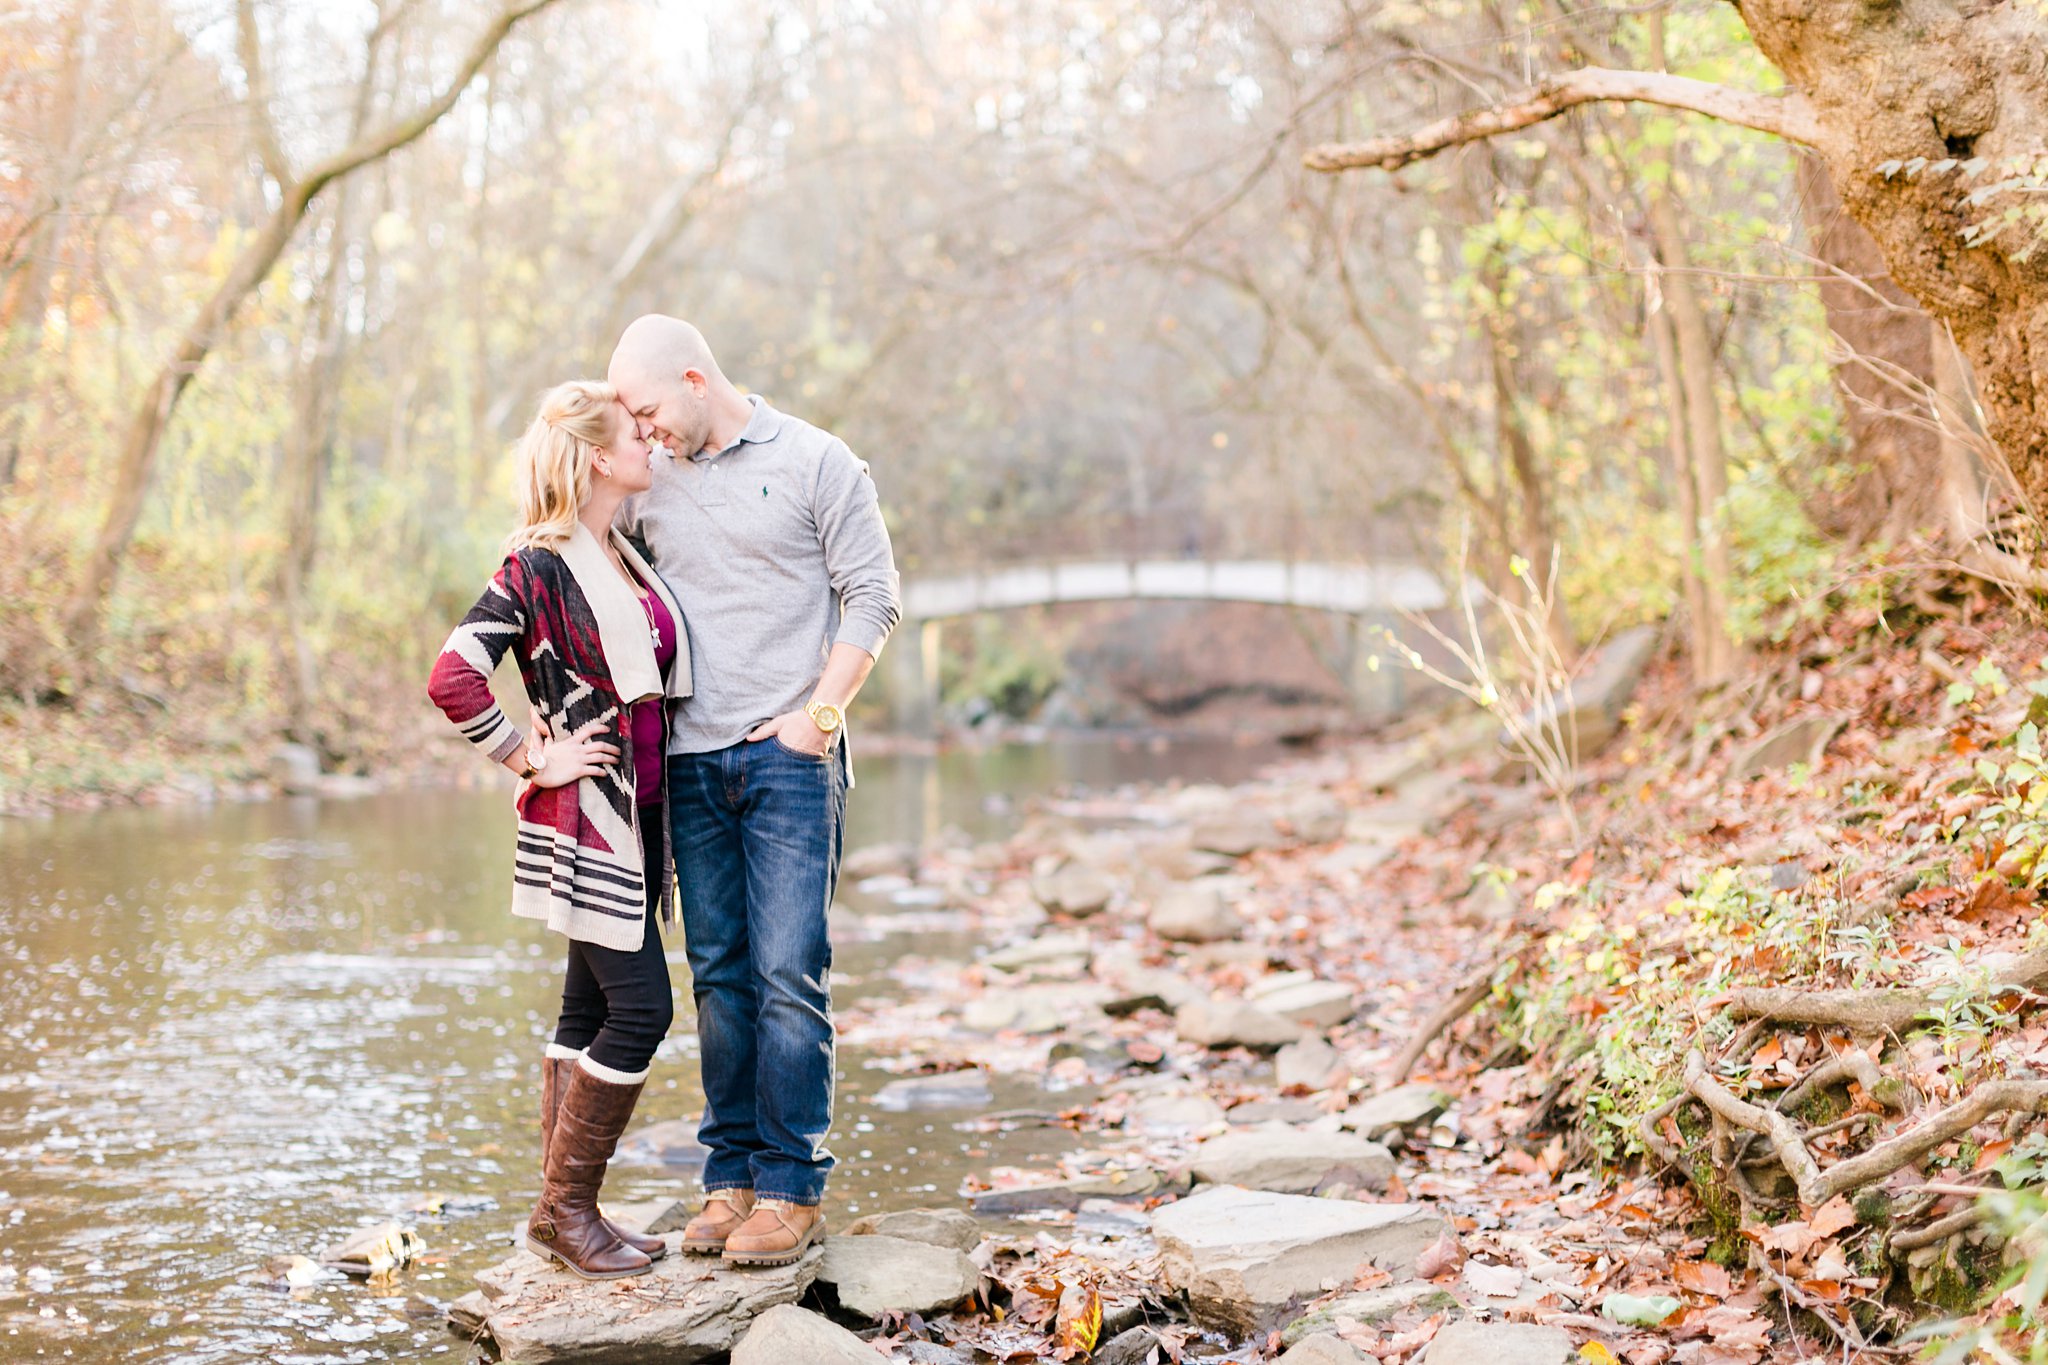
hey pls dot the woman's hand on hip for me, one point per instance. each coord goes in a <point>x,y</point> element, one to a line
<point>573,759</point>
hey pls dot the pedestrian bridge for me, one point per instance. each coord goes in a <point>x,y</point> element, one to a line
<point>1348,588</point>
<point>1369,594</point>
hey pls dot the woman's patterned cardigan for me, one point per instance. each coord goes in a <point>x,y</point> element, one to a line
<point>578,864</point>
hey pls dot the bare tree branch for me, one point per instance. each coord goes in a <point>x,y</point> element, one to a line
<point>1787,116</point>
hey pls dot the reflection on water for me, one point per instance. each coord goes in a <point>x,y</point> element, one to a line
<point>237,1034</point>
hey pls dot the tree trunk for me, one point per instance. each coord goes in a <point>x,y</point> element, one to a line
<point>140,445</point>
<point>1911,476</point>
<point>1948,82</point>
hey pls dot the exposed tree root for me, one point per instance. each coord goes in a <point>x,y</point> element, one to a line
<point>1869,1012</point>
<point>1816,1186</point>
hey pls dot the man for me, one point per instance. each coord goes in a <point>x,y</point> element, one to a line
<point>770,534</point>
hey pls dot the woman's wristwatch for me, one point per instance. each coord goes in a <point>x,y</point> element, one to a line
<point>534,763</point>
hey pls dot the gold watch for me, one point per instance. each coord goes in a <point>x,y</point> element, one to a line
<point>827,717</point>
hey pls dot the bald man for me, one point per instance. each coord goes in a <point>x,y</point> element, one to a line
<point>770,534</point>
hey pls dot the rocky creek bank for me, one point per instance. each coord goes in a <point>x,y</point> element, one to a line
<point>1209,986</point>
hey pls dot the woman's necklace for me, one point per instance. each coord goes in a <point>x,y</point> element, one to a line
<point>653,629</point>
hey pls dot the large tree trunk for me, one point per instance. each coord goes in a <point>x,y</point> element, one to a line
<point>1911,476</point>
<point>1948,82</point>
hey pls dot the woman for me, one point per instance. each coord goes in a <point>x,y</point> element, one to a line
<point>600,646</point>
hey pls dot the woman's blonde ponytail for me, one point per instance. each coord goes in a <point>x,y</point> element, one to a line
<point>554,460</point>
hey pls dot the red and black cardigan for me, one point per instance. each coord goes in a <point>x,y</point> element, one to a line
<point>578,865</point>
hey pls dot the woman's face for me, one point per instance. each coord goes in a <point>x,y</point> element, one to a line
<point>628,453</point>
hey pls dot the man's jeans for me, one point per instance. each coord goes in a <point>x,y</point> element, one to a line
<point>757,839</point>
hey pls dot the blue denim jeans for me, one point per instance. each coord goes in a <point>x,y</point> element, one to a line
<point>757,839</point>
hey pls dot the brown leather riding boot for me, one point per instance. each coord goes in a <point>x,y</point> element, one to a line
<point>724,1211</point>
<point>776,1233</point>
<point>554,1072</point>
<point>565,1225</point>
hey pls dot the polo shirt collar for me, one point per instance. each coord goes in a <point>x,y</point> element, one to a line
<point>762,426</point>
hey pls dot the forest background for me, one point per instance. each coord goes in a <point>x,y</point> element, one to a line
<point>280,282</point>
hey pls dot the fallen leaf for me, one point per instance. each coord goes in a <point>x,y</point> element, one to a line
<point>1702,1277</point>
<point>1441,1258</point>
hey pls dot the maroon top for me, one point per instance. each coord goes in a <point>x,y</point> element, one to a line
<point>644,717</point>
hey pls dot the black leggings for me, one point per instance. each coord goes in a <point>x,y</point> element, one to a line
<point>616,1003</point>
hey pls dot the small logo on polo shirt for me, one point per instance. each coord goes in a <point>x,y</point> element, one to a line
<point>764,490</point>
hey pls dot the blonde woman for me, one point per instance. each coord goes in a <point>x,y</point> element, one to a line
<point>601,648</point>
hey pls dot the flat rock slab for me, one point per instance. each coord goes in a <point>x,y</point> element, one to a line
<point>1291,1161</point>
<point>1495,1343</point>
<point>786,1335</point>
<point>934,1227</point>
<point>1322,1003</point>
<point>1372,1307</point>
<point>684,1309</point>
<point>1197,912</point>
<point>875,1275</point>
<point>1306,1065</point>
<point>1244,1256</point>
<point>1391,1111</point>
<point>1072,1193</point>
<point>1233,1023</point>
<point>1329,1350</point>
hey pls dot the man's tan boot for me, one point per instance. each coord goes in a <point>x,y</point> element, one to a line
<point>724,1211</point>
<point>776,1233</point>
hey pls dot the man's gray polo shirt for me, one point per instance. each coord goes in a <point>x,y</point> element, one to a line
<point>774,548</point>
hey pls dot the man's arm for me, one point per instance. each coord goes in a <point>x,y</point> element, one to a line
<point>862,567</point>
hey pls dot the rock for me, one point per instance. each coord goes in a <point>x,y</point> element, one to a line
<point>1798,741</point>
<point>466,1314</point>
<point>1466,1342</point>
<point>1074,889</point>
<point>683,1309</point>
<point>1174,1113</point>
<point>1588,708</point>
<point>1182,861</point>
<point>1319,1003</point>
<point>1107,1218</point>
<point>880,860</point>
<point>294,769</point>
<point>1291,1161</point>
<point>1397,1110</point>
<point>1133,1347</point>
<point>947,1090</point>
<point>1371,1307</point>
<point>1273,1111</point>
<point>1045,948</point>
<point>1327,1349</point>
<point>1139,988</point>
<point>670,1142</point>
<point>1194,912</point>
<point>1073,1192</point>
<point>1315,818</point>
<point>386,1246</point>
<point>1034,1009</point>
<point>1306,1065</point>
<point>1233,1023</point>
<point>347,786</point>
<point>1234,833</point>
<point>786,1334</point>
<point>875,1275</point>
<point>934,1227</point>
<point>1353,859</point>
<point>1243,1256</point>
<point>651,1216</point>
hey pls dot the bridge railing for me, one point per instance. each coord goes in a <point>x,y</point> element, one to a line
<point>1337,587</point>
